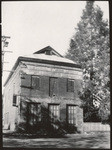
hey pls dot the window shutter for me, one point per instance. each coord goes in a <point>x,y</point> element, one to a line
<point>78,87</point>
<point>35,82</point>
<point>53,86</point>
<point>70,85</point>
<point>26,80</point>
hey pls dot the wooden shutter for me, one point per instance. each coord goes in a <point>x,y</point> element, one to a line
<point>23,111</point>
<point>78,85</point>
<point>36,82</point>
<point>70,85</point>
<point>26,80</point>
<point>53,86</point>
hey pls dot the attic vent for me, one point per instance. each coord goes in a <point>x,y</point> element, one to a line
<point>48,52</point>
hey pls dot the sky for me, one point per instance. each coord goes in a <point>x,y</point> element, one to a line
<point>33,25</point>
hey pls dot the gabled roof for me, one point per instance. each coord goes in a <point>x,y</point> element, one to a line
<point>49,54</point>
<point>49,51</point>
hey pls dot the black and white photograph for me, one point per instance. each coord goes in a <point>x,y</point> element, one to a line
<point>55,74</point>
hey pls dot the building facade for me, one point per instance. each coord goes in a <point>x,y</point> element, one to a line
<point>43,80</point>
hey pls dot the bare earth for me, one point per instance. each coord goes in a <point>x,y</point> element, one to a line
<point>87,140</point>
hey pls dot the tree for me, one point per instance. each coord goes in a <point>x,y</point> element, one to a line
<point>90,48</point>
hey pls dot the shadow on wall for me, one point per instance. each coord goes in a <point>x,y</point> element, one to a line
<point>45,124</point>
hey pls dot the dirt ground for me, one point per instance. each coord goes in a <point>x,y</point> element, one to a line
<point>86,140</point>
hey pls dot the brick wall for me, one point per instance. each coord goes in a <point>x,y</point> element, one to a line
<point>24,91</point>
<point>43,92</point>
<point>62,97</point>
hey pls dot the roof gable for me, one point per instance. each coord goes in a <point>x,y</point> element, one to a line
<point>48,51</point>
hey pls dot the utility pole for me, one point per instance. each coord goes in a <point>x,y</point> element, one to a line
<point>4,45</point>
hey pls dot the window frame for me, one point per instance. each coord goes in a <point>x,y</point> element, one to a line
<point>67,114</point>
<point>14,103</point>
<point>29,112</point>
<point>68,90</point>
<point>50,115</point>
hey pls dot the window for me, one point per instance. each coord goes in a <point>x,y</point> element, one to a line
<point>14,100</point>
<point>34,115</point>
<point>54,112</point>
<point>71,114</point>
<point>70,85</point>
<point>53,86</point>
<point>36,82</point>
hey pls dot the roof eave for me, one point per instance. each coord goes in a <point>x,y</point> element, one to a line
<point>12,71</point>
<point>40,61</point>
<point>50,62</point>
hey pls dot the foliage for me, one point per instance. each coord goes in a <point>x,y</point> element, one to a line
<point>90,48</point>
<point>47,127</point>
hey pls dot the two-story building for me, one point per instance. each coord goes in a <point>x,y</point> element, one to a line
<point>43,79</point>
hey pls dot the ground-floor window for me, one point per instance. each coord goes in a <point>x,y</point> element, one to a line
<point>54,112</point>
<point>71,114</point>
<point>34,113</point>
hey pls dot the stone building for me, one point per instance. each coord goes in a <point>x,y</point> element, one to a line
<point>44,79</point>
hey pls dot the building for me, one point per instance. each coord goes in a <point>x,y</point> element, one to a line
<point>44,79</point>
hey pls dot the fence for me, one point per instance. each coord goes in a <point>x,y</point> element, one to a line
<point>87,127</point>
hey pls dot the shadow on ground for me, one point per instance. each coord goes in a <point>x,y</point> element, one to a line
<point>88,140</point>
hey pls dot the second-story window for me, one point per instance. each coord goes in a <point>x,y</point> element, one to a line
<point>36,82</point>
<point>70,85</point>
